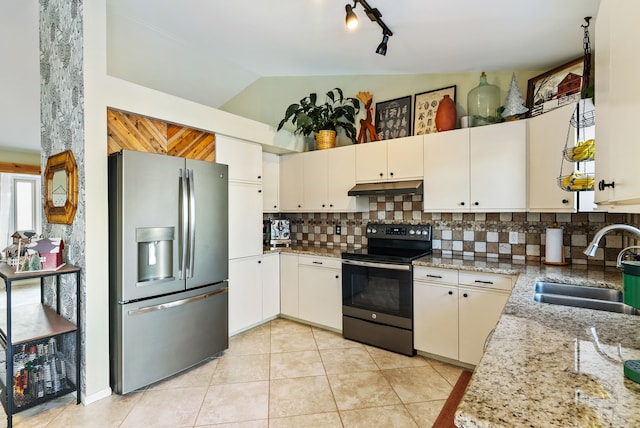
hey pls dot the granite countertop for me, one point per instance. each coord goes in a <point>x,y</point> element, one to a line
<point>555,366</point>
<point>546,365</point>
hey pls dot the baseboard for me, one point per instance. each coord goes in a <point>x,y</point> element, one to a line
<point>88,399</point>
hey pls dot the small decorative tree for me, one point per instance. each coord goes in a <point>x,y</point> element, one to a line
<point>514,105</point>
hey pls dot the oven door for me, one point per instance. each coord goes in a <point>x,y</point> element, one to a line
<point>378,292</point>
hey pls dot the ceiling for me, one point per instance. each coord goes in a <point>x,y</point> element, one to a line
<point>210,50</point>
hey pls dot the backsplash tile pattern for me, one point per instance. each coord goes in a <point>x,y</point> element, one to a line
<point>484,235</point>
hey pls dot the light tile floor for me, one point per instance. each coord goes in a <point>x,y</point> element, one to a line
<point>280,374</point>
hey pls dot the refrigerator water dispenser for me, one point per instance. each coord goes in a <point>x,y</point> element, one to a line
<point>155,253</point>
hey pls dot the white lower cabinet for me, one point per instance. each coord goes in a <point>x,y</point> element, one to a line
<point>270,286</point>
<point>436,319</point>
<point>289,285</point>
<point>478,313</point>
<point>455,312</point>
<point>320,291</point>
<point>245,293</point>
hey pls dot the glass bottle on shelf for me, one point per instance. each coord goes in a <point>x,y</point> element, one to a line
<point>483,102</point>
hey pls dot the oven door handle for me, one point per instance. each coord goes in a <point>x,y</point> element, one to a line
<point>377,265</point>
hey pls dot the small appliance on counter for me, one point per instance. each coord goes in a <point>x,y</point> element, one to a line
<point>276,232</point>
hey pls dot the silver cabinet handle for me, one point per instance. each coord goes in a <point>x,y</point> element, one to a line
<point>147,309</point>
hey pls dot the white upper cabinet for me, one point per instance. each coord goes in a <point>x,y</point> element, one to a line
<point>243,157</point>
<point>390,160</point>
<point>341,178</point>
<point>319,181</point>
<point>446,171</point>
<point>245,220</point>
<point>498,174</point>
<point>270,182</point>
<point>482,169</point>
<point>291,197</point>
<point>547,138</point>
<point>617,106</point>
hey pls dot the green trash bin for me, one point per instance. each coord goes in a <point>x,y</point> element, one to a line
<point>631,283</point>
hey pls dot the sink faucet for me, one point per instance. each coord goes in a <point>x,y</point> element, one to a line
<point>593,246</point>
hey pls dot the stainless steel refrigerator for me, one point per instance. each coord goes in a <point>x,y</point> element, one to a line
<point>168,265</point>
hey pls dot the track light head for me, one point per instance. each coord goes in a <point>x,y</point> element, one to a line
<point>352,19</point>
<point>382,47</point>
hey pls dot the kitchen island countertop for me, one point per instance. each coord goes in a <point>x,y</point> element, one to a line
<point>545,365</point>
<point>550,365</point>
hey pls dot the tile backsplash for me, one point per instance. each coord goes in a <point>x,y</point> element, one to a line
<point>484,235</point>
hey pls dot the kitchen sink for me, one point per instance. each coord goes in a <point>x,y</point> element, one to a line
<point>580,296</point>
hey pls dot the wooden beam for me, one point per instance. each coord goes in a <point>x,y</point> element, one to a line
<point>19,168</point>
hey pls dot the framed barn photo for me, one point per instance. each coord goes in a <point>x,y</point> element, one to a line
<point>426,107</point>
<point>555,88</point>
<point>393,118</point>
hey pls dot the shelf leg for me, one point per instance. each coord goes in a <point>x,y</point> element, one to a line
<point>78,340</point>
<point>9,384</point>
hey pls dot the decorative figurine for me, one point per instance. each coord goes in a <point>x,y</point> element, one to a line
<point>367,124</point>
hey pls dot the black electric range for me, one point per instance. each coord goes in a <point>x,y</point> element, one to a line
<point>393,243</point>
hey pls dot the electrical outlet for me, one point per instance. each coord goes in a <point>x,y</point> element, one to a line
<point>338,230</point>
<point>513,237</point>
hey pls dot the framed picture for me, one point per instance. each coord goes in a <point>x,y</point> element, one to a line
<point>393,118</point>
<point>555,88</point>
<point>426,106</point>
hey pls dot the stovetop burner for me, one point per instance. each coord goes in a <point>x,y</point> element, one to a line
<point>393,243</point>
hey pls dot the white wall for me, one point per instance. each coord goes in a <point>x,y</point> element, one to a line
<point>266,100</point>
<point>96,323</point>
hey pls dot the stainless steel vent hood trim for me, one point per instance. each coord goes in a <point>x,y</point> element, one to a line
<point>412,187</point>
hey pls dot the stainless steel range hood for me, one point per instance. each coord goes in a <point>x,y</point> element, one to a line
<point>412,187</point>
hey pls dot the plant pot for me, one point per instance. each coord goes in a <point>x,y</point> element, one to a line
<point>325,139</point>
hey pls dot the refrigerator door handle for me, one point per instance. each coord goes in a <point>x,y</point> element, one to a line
<point>192,223</point>
<point>147,309</point>
<point>184,219</point>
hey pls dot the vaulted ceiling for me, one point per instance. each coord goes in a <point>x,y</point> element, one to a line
<point>210,50</point>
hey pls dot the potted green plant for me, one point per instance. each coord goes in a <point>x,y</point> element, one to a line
<point>323,120</point>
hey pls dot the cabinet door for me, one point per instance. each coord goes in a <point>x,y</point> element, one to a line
<point>314,182</point>
<point>321,296</point>
<point>547,138</point>
<point>270,182</point>
<point>446,171</point>
<point>245,220</point>
<point>617,151</point>
<point>270,286</point>
<point>498,159</point>
<point>243,157</point>
<point>371,162</point>
<point>435,314</point>
<point>245,293</point>
<point>289,285</point>
<point>404,158</point>
<point>478,313</point>
<point>291,183</point>
<point>341,164</point>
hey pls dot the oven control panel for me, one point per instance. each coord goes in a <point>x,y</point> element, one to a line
<point>413,232</point>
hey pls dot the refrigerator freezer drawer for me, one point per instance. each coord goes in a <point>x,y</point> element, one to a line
<point>156,338</point>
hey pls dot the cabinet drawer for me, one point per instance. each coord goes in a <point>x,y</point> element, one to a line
<point>487,280</point>
<point>437,275</point>
<point>326,262</point>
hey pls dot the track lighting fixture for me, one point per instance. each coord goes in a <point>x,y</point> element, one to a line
<point>352,18</point>
<point>382,47</point>
<point>375,16</point>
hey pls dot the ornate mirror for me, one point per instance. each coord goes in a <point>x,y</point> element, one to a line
<point>61,188</point>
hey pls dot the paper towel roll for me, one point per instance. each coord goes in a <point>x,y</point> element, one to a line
<point>554,252</point>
